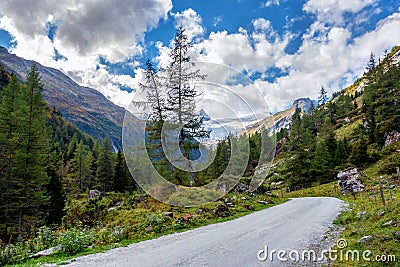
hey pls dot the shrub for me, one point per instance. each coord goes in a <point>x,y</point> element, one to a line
<point>75,240</point>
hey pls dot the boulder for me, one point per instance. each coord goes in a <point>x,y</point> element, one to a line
<point>366,239</point>
<point>388,223</point>
<point>46,252</point>
<point>349,180</point>
<point>94,193</point>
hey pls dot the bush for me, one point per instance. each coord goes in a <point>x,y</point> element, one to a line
<point>75,240</point>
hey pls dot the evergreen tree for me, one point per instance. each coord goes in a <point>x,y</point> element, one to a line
<point>120,174</point>
<point>322,163</point>
<point>340,152</point>
<point>105,168</point>
<point>182,96</point>
<point>33,143</point>
<point>11,100</point>
<point>322,97</point>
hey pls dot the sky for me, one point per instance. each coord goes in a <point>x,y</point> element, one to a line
<point>290,49</point>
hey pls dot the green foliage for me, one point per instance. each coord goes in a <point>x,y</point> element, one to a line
<point>75,240</point>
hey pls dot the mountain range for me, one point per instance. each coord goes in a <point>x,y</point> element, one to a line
<point>96,115</point>
<point>87,108</point>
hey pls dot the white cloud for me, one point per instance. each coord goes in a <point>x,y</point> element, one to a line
<point>331,11</point>
<point>191,21</point>
<point>217,20</point>
<point>85,31</point>
<point>270,3</point>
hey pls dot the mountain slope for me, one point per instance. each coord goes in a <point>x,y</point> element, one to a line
<point>283,118</point>
<point>87,108</point>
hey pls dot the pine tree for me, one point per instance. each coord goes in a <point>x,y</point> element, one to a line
<point>182,96</point>
<point>79,171</point>
<point>120,175</point>
<point>33,143</point>
<point>322,97</point>
<point>105,168</point>
<point>322,163</point>
<point>9,125</point>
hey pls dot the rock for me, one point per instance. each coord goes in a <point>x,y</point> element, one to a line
<point>94,193</point>
<point>388,223</point>
<point>392,186</point>
<point>380,214</point>
<point>199,211</point>
<point>362,213</point>
<point>349,180</point>
<point>366,239</point>
<point>263,202</point>
<point>46,252</point>
<point>249,207</point>
<point>243,198</point>
<point>149,228</point>
<point>241,188</point>
<point>397,235</point>
<point>227,200</point>
<point>230,204</point>
<point>392,137</point>
<point>221,210</point>
<point>234,197</point>
<point>168,214</point>
<point>269,193</point>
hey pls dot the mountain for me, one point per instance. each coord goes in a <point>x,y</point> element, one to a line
<point>87,108</point>
<point>283,118</point>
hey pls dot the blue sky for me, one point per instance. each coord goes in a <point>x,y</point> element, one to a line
<point>289,48</point>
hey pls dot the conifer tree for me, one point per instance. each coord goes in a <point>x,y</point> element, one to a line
<point>33,146</point>
<point>105,167</point>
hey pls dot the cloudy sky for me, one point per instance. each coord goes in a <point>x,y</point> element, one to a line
<point>289,48</point>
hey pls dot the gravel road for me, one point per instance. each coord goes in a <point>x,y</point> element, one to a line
<point>294,225</point>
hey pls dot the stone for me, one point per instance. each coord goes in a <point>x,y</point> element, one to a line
<point>243,198</point>
<point>46,252</point>
<point>263,202</point>
<point>241,188</point>
<point>230,204</point>
<point>397,234</point>
<point>392,137</point>
<point>366,239</point>
<point>249,207</point>
<point>388,223</point>
<point>199,211</point>
<point>392,186</point>
<point>94,193</point>
<point>362,213</point>
<point>380,214</point>
<point>349,180</point>
<point>168,214</point>
<point>149,228</point>
<point>269,193</point>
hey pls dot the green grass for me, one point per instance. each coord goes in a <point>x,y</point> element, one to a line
<point>144,220</point>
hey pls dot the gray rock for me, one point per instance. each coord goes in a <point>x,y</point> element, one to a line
<point>243,198</point>
<point>361,214</point>
<point>199,211</point>
<point>46,252</point>
<point>349,180</point>
<point>388,223</point>
<point>263,202</point>
<point>380,214</point>
<point>366,239</point>
<point>94,193</point>
<point>269,193</point>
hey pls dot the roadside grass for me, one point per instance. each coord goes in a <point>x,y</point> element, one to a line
<point>129,219</point>
<point>365,216</point>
